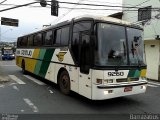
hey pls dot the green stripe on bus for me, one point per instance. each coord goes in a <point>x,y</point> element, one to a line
<point>137,74</point>
<point>134,73</point>
<point>39,63</point>
<point>37,67</point>
<point>41,54</point>
<point>131,73</point>
<point>46,61</point>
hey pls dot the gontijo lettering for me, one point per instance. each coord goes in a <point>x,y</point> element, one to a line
<point>26,52</point>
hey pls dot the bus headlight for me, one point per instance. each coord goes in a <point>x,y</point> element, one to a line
<point>106,81</point>
<point>12,55</point>
<point>108,92</point>
<point>143,87</point>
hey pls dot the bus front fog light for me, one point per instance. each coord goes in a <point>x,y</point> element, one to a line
<point>108,92</point>
<point>143,87</point>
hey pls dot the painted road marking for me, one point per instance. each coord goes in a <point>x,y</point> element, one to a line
<point>7,65</point>
<point>4,79</point>
<point>154,83</point>
<point>51,91</point>
<point>16,79</point>
<point>16,88</point>
<point>12,84</point>
<point>34,80</point>
<point>2,86</point>
<point>30,104</point>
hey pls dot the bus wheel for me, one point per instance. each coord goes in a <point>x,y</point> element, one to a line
<point>64,82</point>
<point>23,67</point>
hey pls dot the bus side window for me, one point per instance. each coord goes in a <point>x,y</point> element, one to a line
<point>65,36</point>
<point>75,45</point>
<point>82,26</point>
<point>48,38</point>
<point>30,40</point>
<point>58,37</point>
<point>24,41</point>
<point>19,42</point>
<point>38,39</point>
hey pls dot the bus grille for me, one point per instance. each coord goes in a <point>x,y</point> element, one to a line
<point>127,80</point>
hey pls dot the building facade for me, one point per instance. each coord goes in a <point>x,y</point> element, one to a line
<point>147,14</point>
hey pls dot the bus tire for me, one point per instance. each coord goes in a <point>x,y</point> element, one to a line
<point>23,67</point>
<point>64,82</point>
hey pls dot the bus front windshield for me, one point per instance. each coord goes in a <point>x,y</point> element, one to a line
<point>111,48</point>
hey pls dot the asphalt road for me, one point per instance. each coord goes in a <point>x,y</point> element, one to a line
<point>27,94</point>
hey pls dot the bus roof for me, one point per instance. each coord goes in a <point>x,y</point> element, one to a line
<point>90,17</point>
<point>107,19</point>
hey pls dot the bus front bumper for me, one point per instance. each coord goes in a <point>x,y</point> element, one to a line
<point>102,92</point>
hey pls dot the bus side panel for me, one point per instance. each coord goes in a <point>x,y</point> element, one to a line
<point>43,57</point>
<point>85,86</point>
<point>96,75</point>
<point>40,57</point>
<point>63,59</point>
<point>18,61</point>
<point>46,62</point>
<point>30,64</point>
<point>50,75</point>
<point>74,78</point>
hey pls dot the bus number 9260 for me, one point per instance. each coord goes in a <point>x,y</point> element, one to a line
<point>115,73</point>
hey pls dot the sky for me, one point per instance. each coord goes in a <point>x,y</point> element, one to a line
<point>32,18</point>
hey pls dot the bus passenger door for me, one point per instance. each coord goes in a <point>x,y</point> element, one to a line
<point>85,74</point>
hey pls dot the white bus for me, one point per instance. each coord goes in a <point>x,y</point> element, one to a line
<point>96,57</point>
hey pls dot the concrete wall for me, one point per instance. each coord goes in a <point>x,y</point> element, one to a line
<point>152,27</point>
<point>152,57</point>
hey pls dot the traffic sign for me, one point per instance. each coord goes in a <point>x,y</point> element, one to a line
<point>9,21</point>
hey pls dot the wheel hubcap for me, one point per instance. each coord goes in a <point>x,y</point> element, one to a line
<point>65,81</point>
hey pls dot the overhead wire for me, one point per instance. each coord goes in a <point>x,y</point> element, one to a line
<point>3,1</point>
<point>154,9</point>
<point>142,3</point>
<point>95,5</point>
<point>84,8</point>
<point>101,9</point>
<point>17,6</point>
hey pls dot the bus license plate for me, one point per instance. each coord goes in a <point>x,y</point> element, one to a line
<point>127,89</point>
